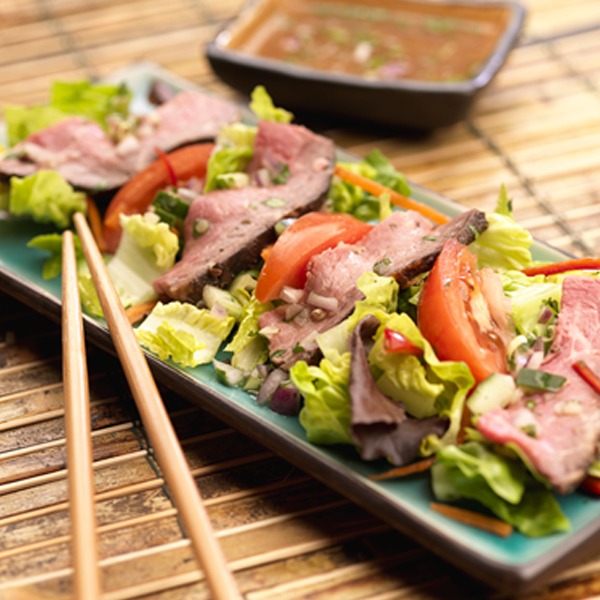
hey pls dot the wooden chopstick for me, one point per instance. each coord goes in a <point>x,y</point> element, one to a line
<point>158,426</point>
<point>78,434</point>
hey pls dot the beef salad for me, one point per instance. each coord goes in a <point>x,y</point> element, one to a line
<point>319,286</point>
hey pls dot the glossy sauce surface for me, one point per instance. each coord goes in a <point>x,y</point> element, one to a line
<point>384,41</point>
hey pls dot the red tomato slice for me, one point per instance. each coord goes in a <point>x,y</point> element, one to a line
<point>312,233</point>
<point>591,485</point>
<point>395,343</point>
<point>455,316</point>
<point>137,195</point>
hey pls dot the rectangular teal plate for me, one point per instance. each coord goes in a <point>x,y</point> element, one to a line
<point>513,564</point>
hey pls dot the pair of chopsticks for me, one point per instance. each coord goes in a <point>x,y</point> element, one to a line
<point>155,419</point>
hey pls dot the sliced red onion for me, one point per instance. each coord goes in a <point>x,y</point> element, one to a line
<point>270,384</point>
<point>286,400</point>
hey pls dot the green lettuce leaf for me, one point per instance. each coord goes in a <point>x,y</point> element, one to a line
<point>504,244</point>
<point>248,348</point>
<point>262,106</point>
<point>52,243</point>
<point>187,335</point>
<point>22,121</point>
<point>426,386</point>
<point>501,484</point>
<point>45,197</point>
<point>326,413</point>
<point>147,249</point>
<point>348,198</point>
<point>96,101</point>
<point>83,98</point>
<point>528,297</point>
<point>224,165</point>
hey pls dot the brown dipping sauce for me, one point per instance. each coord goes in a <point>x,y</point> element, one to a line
<point>379,41</point>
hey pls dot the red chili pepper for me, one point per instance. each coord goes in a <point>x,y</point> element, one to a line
<point>165,160</point>
<point>593,380</point>
<point>573,264</point>
<point>591,485</point>
<point>395,343</point>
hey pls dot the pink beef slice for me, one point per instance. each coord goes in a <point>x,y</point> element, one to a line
<point>241,221</point>
<point>559,432</point>
<point>87,157</point>
<point>403,246</point>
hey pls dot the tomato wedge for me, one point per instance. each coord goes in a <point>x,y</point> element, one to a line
<point>395,343</point>
<point>137,195</point>
<point>310,234</point>
<point>456,316</point>
<point>591,485</point>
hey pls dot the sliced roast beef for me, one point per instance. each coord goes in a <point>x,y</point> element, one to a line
<point>86,156</point>
<point>403,246</point>
<point>226,230</point>
<point>559,432</point>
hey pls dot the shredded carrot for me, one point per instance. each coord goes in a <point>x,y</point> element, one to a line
<point>95,223</point>
<point>416,467</point>
<point>137,312</point>
<point>468,517</point>
<point>377,189</point>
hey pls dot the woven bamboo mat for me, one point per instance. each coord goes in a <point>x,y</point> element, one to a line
<point>285,535</point>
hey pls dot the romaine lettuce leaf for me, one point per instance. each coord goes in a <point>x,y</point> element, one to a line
<point>22,121</point>
<point>46,197</point>
<point>83,98</point>
<point>96,101</point>
<point>247,346</point>
<point>187,335</point>
<point>147,249</point>
<point>262,106</point>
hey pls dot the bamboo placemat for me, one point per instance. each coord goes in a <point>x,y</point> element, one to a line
<point>285,535</point>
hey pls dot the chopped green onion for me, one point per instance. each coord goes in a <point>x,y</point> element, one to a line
<point>542,381</point>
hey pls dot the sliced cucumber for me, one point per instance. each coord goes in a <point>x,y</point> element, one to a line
<point>497,391</point>
<point>213,295</point>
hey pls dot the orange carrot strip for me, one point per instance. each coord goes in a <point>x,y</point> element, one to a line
<point>95,222</point>
<point>468,517</point>
<point>377,189</point>
<point>416,467</point>
<point>137,312</point>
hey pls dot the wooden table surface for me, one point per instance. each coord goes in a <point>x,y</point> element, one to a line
<point>285,535</point>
